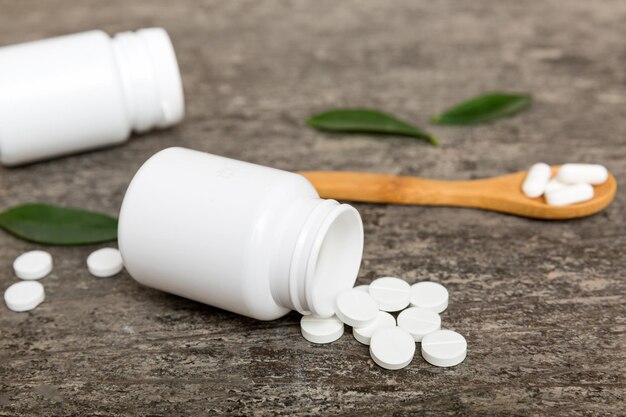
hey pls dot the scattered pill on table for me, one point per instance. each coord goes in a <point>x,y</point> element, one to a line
<point>429,295</point>
<point>35,264</point>
<point>392,348</point>
<point>321,329</point>
<point>536,180</point>
<point>419,322</point>
<point>444,348</point>
<point>392,294</point>
<point>24,296</point>
<point>365,288</point>
<point>105,262</point>
<point>571,194</point>
<point>382,320</point>
<point>356,308</point>
<point>593,174</point>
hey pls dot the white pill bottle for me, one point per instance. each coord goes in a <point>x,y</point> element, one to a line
<point>242,237</point>
<point>84,91</point>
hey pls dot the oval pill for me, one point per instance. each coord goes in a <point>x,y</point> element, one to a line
<point>444,348</point>
<point>382,320</point>
<point>35,264</point>
<point>536,180</point>
<point>356,308</point>
<point>24,296</point>
<point>419,322</point>
<point>554,185</point>
<point>321,329</point>
<point>571,194</point>
<point>582,173</point>
<point>105,262</point>
<point>392,294</point>
<point>429,295</point>
<point>392,348</point>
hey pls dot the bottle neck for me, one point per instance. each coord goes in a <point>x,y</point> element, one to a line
<point>318,255</point>
<point>150,78</point>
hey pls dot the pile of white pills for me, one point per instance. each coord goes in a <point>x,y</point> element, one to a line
<point>572,184</point>
<point>368,308</point>
<point>34,265</point>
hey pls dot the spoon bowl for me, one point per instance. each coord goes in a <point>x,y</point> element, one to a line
<point>502,194</point>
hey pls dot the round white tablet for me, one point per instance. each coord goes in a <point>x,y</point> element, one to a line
<point>392,294</point>
<point>429,295</point>
<point>444,348</point>
<point>35,264</point>
<point>105,262</point>
<point>392,348</point>
<point>321,329</point>
<point>362,288</point>
<point>24,295</point>
<point>382,320</point>
<point>419,322</point>
<point>356,308</point>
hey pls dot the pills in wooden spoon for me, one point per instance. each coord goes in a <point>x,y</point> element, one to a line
<point>572,184</point>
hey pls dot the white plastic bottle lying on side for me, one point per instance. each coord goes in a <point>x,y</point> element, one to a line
<point>84,91</point>
<point>246,238</point>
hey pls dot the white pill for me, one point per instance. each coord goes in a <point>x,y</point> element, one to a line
<point>362,288</point>
<point>582,173</point>
<point>571,194</point>
<point>444,348</point>
<point>105,262</point>
<point>392,294</point>
<point>536,180</point>
<point>429,295</point>
<point>419,322</point>
<point>24,295</point>
<point>364,334</point>
<point>35,264</point>
<point>392,348</point>
<point>554,185</point>
<point>356,308</point>
<point>321,329</point>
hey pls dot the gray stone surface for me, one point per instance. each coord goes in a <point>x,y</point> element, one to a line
<point>541,303</point>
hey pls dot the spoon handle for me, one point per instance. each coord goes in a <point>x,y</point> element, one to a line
<point>393,189</point>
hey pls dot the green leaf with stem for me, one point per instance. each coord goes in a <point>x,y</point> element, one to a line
<point>484,109</point>
<point>367,121</point>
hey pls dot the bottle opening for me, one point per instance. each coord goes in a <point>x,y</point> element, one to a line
<point>334,260</point>
<point>150,78</point>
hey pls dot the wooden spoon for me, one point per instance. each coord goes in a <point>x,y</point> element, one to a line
<point>503,194</point>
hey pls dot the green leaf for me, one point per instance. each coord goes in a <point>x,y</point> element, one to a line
<point>53,225</point>
<point>366,121</point>
<point>484,109</point>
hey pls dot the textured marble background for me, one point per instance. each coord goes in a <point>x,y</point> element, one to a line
<point>542,304</point>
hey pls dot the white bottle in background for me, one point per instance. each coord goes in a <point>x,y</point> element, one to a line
<point>246,238</point>
<point>84,91</point>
